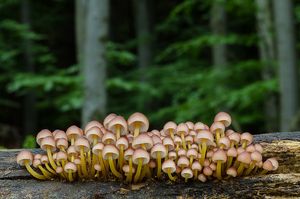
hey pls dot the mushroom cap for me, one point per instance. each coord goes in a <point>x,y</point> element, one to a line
<point>61,156</point>
<point>247,137</point>
<point>118,121</point>
<point>70,167</point>
<point>209,153</point>
<point>190,125</point>
<point>193,133</point>
<point>43,134</point>
<point>97,167</point>
<point>274,163</point>
<point>152,164</point>
<point>219,155</point>
<point>229,132</point>
<point>82,143</point>
<point>128,154</point>
<point>110,150</point>
<point>108,118</point>
<point>256,156</point>
<point>48,142</point>
<point>169,165</point>
<point>213,166</point>
<point>192,153</point>
<point>244,157</point>
<point>156,139</point>
<point>217,126</point>
<point>181,152</point>
<point>198,126</point>
<point>223,117</point>
<point>187,173</point>
<point>168,143</point>
<point>232,152</point>
<point>225,142</point>
<point>109,138</point>
<point>207,171</point>
<point>189,139</point>
<point>204,136</point>
<point>62,143</point>
<point>36,163</point>
<point>122,141</point>
<point>202,177</point>
<point>37,156</point>
<point>206,163</point>
<point>44,159</point>
<point>98,148</point>
<point>93,133</point>
<point>92,124</point>
<point>172,155</point>
<point>141,154</point>
<point>74,132</point>
<point>183,162</point>
<point>154,132</point>
<point>138,118</point>
<point>240,150</point>
<point>59,134</point>
<point>59,170</point>
<point>258,148</point>
<point>194,146</point>
<point>177,140</point>
<point>77,161</point>
<point>267,165</point>
<point>231,172</point>
<point>126,169</point>
<point>158,148</point>
<point>234,137</point>
<point>24,156</point>
<point>129,138</point>
<point>168,126</point>
<point>71,151</point>
<point>196,166</point>
<point>142,140</point>
<point>182,128</point>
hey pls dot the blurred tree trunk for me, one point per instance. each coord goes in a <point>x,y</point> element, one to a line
<point>218,27</point>
<point>80,17</point>
<point>288,73</point>
<point>29,112</point>
<point>267,56</point>
<point>94,60</point>
<point>143,32</point>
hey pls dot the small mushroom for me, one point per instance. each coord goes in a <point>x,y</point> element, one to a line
<point>182,130</point>
<point>110,153</point>
<point>140,157</point>
<point>170,129</point>
<point>158,152</point>
<point>223,117</point>
<point>187,173</point>
<point>73,132</point>
<point>169,167</point>
<point>138,122</point>
<point>70,168</point>
<point>219,157</point>
<point>118,125</point>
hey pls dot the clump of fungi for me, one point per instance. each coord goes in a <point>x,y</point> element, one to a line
<point>127,150</point>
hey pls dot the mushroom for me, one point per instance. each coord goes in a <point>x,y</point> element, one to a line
<point>142,141</point>
<point>25,158</point>
<point>77,162</point>
<point>82,146</point>
<point>169,144</point>
<point>183,162</point>
<point>244,158</point>
<point>182,130</point>
<point>73,132</point>
<point>189,140</point>
<point>158,152</point>
<point>177,141</point>
<point>91,124</point>
<point>219,157</point>
<point>126,169</point>
<point>192,154</point>
<point>43,134</point>
<point>110,153</point>
<point>128,157</point>
<point>140,157</point>
<point>246,139</point>
<point>70,168</point>
<point>202,177</point>
<point>267,166</point>
<point>97,168</point>
<point>231,153</point>
<point>97,150</point>
<point>108,118</point>
<point>234,138</point>
<point>255,157</point>
<point>59,134</point>
<point>48,145</point>
<point>217,128</point>
<point>170,129</point>
<point>190,125</point>
<point>38,164</point>
<point>203,138</point>
<point>224,118</point>
<point>200,126</point>
<point>224,143</point>
<point>187,173</point>
<point>231,172</point>
<point>62,144</point>
<point>169,167</point>
<point>138,122</point>
<point>45,161</point>
<point>118,125</point>
<point>109,138</point>
<point>72,153</point>
<point>196,167</point>
<point>122,144</point>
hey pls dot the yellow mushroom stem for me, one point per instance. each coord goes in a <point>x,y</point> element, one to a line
<point>229,162</point>
<point>83,163</point>
<point>121,157</point>
<point>72,158</point>
<point>191,160</point>
<point>170,175</point>
<point>102,164</point>
<point>50,169</point>
<point>138,172</point>
<point>89,159</point>
<point>50,157</point>
<point>183,140</point>
<point>240,168</point>
<point>231,144</point>
<point>62,149</point>
<point>72,140</point>
<point>94,161</point>
<point>203,152</point>
<point>219,169</point>
<point>112,167</point>
<point>158,158</point>
<point>143,173</point>
<point>244,144</point>
<point>70,176</point>
<point>250,168</point>
<point>195,174</point>
<point>79,171</point>
<point>263,172</point>
<point>171,131</point>
<point>118,131</point>
<point>33,172</point>
<point>46,173</point>
<point>185,178</point>
<point>218,136</point>
<point>136,129</point>
<point>129,176</point>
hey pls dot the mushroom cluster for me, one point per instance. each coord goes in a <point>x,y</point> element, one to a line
<point>127,150</point>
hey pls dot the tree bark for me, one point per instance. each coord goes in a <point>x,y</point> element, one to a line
<point>267,57</point>
<point>94,60</point>
<point>288,74</point>
<point>80,18</point>
<point>15,182</point>
<point>218,27</point>
<point>29,112</point>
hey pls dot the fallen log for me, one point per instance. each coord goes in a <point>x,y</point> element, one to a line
<point>15,182</point>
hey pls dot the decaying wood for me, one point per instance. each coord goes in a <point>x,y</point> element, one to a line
<point>15,182</point>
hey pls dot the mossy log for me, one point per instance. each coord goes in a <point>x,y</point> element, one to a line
<point>15,182</point>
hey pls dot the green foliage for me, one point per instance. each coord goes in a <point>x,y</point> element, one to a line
<point>29,142</point>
